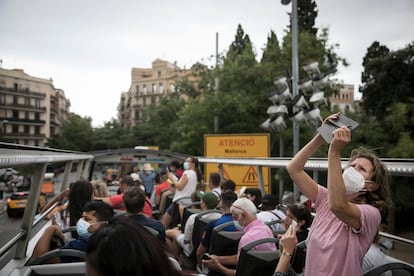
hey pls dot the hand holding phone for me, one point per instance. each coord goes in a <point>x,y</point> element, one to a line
<point>206,256</point>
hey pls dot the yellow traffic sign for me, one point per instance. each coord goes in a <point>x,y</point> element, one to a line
<point>238,145</point>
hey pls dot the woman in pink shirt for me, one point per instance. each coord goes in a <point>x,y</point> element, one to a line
<point>348,212</point>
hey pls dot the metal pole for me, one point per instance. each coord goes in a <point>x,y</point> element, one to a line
<point>216,87</point>
<point>281,153</point>
<point>295,78</point>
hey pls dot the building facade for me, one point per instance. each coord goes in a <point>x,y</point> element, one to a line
<point>344,100</point>
<point>31,108</point>
<point>148,85</point>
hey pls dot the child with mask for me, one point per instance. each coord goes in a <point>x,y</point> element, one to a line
<point>95,213</point>
<point>349,211</point>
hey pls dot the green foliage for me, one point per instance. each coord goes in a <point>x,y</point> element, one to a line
<point>112,136</point>
<point>160,125</point>
<point>307,14</point>
<point>77,134</point>
<point>388,78</point>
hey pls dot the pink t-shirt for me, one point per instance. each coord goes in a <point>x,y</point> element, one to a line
<point>333,247</point>
<point>254,231</point>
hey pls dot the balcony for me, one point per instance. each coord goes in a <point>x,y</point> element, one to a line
<point>25,121</point>
<point>25,92</point>
<point>25,107</point>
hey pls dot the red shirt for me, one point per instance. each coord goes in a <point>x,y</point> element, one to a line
<point>163,186</point>
<point>118,203</point>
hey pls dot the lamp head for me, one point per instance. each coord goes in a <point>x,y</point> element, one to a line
<point>318,98</point>
<point>313,116</point>
<point>298,117</point>
<point>300,102</point>
<point>285,2</point>
<point>312,69</point>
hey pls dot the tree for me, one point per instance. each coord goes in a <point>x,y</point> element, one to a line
<point>240,45</point>
<point>307,14</point>
<point>388,78</point>
<point>160,127</point>
<point>112,136</point>
<point>77,134</point>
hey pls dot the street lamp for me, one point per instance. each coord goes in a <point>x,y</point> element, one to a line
<point>295,77</point>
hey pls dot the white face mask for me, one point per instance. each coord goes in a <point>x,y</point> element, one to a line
<point>353,180</point>
<point>238,226</point>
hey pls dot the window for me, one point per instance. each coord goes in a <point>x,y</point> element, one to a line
<point>161,87</point>
<point>144,101</point>
<point>144,89</point>
<point>159,74</point>
<point>37,116</point>
<point>2,99</point>
<point>27,115</point>
<point>172,88</point>
<point>27,87</point>
<point>37,103</point>
<point>137,89</point>
<point>26,101</point>
<point>37,130</point>
<point>154,88</point>
<point>26,129</point>
<point>15,99</point>
<point>16,86</point>
<point>15,114</point>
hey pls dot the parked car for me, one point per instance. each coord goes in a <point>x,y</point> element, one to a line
<point>16,203</point>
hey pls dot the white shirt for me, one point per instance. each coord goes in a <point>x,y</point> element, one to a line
<point>189,188</point>
<point>268,216</point>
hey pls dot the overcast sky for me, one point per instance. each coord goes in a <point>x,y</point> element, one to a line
<point>88,47</point>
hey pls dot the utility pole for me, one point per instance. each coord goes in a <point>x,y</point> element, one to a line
<point>216,87</point>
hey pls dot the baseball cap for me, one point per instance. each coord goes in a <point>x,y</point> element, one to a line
<point>210,199</point>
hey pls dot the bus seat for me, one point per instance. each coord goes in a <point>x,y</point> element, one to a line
<point>256,262</point>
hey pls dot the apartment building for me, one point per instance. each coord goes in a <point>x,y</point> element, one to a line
<point>31,108</point>
<point>344,100</point>
<point>148,85</point>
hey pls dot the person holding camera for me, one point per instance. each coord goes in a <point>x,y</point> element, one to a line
<point>349,211</point>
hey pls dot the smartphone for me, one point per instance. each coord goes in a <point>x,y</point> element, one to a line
<point>206,256</point>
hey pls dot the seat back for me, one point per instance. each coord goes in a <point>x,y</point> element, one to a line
<point>175,215</point>
<point>188,211</point>
<point>224,242</point>
<point>200,223</point>
<point>397,269</point>
<point>272,223</point>
<point>257,262</point>
<point>299,257</point>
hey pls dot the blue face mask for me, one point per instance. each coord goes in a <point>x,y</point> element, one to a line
<point>82,228</point>
<point>186,166</point>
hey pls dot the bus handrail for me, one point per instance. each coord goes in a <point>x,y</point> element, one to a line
<point>12,242</point>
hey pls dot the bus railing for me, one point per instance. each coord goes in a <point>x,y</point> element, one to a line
<point>37,158</point>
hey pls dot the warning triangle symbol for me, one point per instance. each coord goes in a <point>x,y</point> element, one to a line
<point>251,176</point>
<point>226,175</point>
